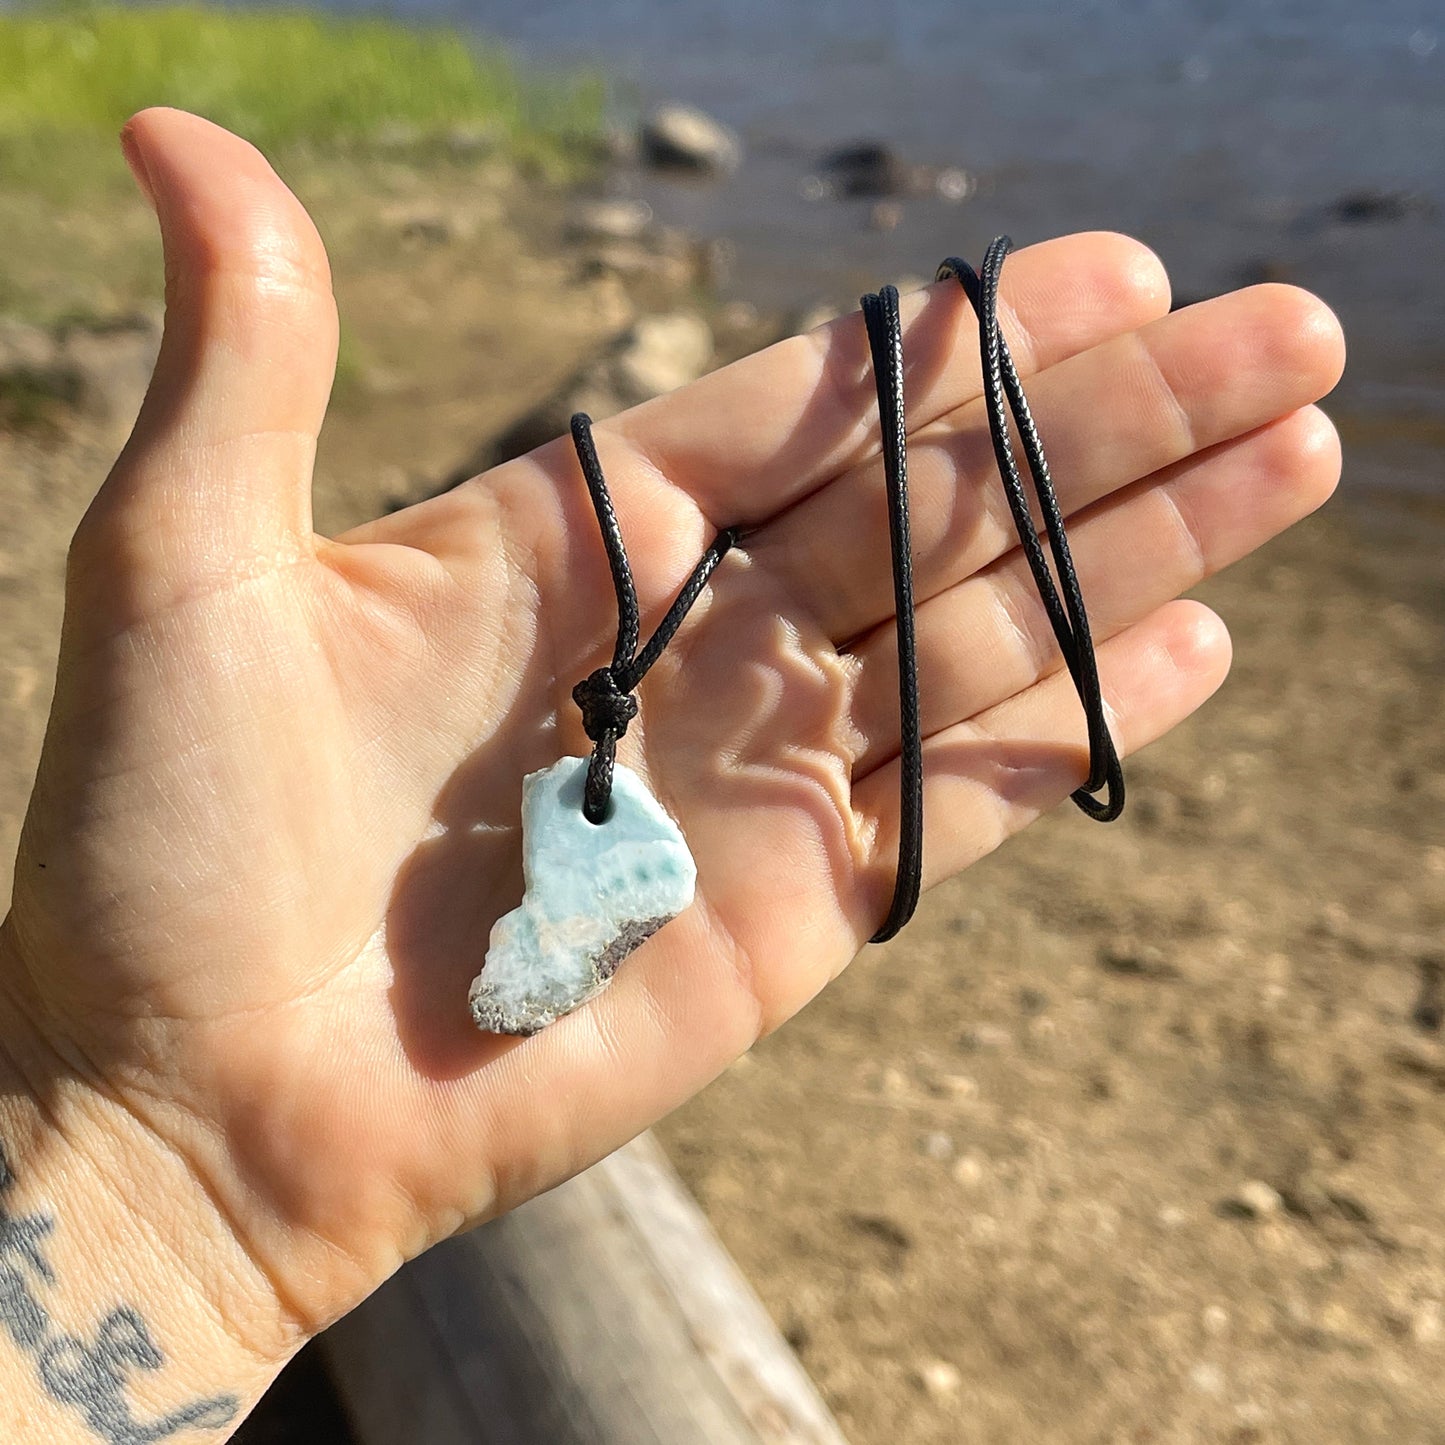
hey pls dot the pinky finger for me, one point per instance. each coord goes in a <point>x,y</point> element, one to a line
<point>990,776</point>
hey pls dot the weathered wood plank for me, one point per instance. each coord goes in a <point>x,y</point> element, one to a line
<point>604,1313</point>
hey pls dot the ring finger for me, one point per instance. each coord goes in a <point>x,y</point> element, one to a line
<point>988,638</point>
<point>1110,416</point>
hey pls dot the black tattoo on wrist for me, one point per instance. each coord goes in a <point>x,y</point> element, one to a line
<point>89,1376</point>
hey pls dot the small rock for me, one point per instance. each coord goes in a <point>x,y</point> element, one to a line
<point>654,355</point>
<point>1135,959</point>
<point>936,1145</point>
<point>1254,1199</point>
<point>664,353</point>
<point>101,364</point>
<point>1367,206</point>
<point>608,220</point>
<point>885,216</point>
<point>682,137</point>
<point>1427,1323</point>
<point>955,184</point>
<point>870,168</point>
<point>1207,1379</point>
<point>883,1229</point>
<point>1158,810</point>
<point>429,231</point>
<point>985,1036</point>
<point>1215,1319</point>
<point>938,1379</point>
<point>968,1171</point>
<point>738,316</point>
<point>1033,1001</point>
<point>630,260</point>
<point>1425,1059</point>
<point>1429,1011</point>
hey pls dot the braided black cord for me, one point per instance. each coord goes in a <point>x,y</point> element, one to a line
<point>1004,392</point>
<point>885,343</point>
<point>605,696</point>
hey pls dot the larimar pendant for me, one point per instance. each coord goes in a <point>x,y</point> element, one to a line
<point>593,892</point>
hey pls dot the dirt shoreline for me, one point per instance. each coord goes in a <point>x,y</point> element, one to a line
<point>1136,1134</point>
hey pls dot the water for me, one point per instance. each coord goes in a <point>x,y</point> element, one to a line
<point>1219,131</point>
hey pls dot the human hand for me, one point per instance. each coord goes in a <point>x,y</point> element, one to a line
<point>277,811</point>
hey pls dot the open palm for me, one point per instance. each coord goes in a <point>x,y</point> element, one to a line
<point>277,813</point>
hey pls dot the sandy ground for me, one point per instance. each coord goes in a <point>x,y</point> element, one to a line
<point>1136,1134</point>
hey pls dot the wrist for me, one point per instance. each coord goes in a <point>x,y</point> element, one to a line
<point>128,1311</point>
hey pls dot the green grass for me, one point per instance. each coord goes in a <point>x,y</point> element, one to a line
<point>352,111</point>
<point>282,78</point>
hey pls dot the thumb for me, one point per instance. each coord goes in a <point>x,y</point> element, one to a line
<point>218,468</point>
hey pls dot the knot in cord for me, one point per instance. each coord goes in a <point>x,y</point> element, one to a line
<point>606,708</point>
<point>605,696</point>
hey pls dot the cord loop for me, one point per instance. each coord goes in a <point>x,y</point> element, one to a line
<point>606,708</point>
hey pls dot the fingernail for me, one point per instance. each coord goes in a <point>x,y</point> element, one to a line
<point>135,159</point>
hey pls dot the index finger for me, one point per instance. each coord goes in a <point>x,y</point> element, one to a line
<point>750,440</point>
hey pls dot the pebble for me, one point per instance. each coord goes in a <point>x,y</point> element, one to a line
<point>1207,1379</point>
<point>938,1379</point>
<point>683,137</point>
<point>985,1036</point>
<point>630,260</point>
<point>936,1145</point>
<point>885,216</point>
<point>1133,958</point>
<point>664,353</point>
<point>609,220</point>
<point>1215,1319</point>
<point>1254,1199</point>
<point>738,316</point>
<point>1427,1323</point>
<point>969,1171</point>
<point>955,184</point>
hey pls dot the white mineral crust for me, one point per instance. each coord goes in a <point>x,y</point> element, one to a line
<point>593,892</point>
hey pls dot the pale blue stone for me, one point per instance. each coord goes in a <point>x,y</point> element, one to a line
<point>592,894</point>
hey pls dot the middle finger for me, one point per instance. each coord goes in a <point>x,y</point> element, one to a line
<point>1109,417</point>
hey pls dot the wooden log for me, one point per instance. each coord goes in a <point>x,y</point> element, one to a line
<point>604,1313</point>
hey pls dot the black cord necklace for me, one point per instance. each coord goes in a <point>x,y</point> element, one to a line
<point>543,963</point>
